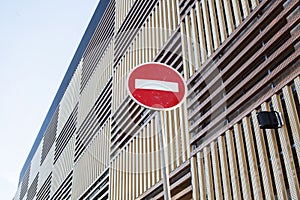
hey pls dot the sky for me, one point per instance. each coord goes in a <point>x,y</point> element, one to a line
<point>38,40</point>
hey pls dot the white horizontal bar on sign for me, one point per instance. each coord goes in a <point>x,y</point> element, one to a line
<point>156,85</point>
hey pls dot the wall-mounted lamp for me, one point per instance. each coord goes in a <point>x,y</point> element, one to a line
<point>269,119</point>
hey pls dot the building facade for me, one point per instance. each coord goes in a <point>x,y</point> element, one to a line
<point>238,57</point>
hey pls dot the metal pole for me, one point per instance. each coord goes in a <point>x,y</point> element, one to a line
<point>164,163</point>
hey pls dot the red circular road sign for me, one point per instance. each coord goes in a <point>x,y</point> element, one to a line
<point>156,86</point>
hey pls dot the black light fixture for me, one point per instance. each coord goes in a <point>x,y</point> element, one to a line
<point>269,119</point>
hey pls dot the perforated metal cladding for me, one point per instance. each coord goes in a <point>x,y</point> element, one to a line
<point>49,136</point>
<point>98,45</point>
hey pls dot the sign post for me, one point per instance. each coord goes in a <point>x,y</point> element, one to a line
<point>163,160</point>
<point>157,86</point>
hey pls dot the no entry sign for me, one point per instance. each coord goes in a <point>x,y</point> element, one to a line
<point>156,86</point>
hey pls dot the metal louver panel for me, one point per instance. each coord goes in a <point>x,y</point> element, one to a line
<point>44,191</point>
<point>63,165</point>
<point>46,168</point>
<point>32,189</point>
<point>147,42</point>
<point>121,10</point>
<point>69,100</point>
<point>180,185</point>
<point>64,190</point>
<point>97,155</point>
<point>238,57</point>
<point>99,189</point>
<point>66,134</point>
<point>218,94</point>
<point>98,44</point>
<point>97,82</point>
<point>97,116</point>
<point>49,136</point>
<point>24,184</point>
<point>35,164</point>
<point>131,25</point>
